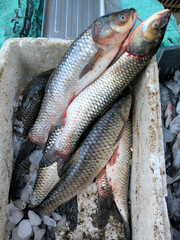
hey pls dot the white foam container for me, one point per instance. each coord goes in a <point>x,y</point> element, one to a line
<point>22,58</point>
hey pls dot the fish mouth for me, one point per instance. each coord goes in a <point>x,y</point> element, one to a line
<point>164,16</point>
<point>135,14</point>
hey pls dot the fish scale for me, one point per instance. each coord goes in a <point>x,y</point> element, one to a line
<point>71,64</point>
<point>139,48</point>
<point>89,159</point>
<point>118,174</point>
<point>96,98</point>
<point>97,46</point>
<point>85,108</point>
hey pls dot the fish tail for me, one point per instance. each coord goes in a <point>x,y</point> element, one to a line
<point>103,213</point>
<point>70,210</point>
<point>105,199</point>
<point>21,169</point>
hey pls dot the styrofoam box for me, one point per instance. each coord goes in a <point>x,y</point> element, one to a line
<point>22,58</point>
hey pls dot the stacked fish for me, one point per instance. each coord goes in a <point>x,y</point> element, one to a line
<point>83,123</point>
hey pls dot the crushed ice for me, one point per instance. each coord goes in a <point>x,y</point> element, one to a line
<point>170,96</point>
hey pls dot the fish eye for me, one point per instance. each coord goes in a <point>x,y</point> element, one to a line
<point>123,18</point>
<point>155,25</point>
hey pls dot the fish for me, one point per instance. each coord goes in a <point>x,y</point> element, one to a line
<point>86,58</point>
<point>90,157</point>
<point>94,100</point>
<point>105,198</point>
<point>30,103</point>
<point>21,169</point>
<point>32,97</point>
<point>118,175</point>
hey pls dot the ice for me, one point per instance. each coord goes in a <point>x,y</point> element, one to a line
<point>26,192</point>
<point>18,204</point>
<point>177,76</point>
<point>10,226</point>
<point>14,214</point>
<point>49,221</point>
<point>35,157</point>
<point>38,233</point>
<point>18,126</point>
<point>56,216</point>
<point>24,229</point>
<point>176,153</point>
<point>178,108</point>
<point>171,84</point>
<point>17,143</point>
<point>33,178</point>
<point>15,235</point>
<point>175,125</point>
<point>77,234</point>
<point>168,137</point>
<point>34,219</point>
<point>62,225</point>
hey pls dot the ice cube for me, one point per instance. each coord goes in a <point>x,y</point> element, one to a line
<point>10,226</point>
<point>35,157</point>
<point>176,152</point>
<point>177,76</point>
<point>168,137</point>
<point>49,221</point>
<point>77,234</point>
<point>178,108</point>
<point>175,125</point>
<point>26,192</point>
<point>14,214</point>
<point>34,219</point>
<point>38,233</point>
<point>171,84</point>
<point>33,178</point>
<point>18,204</point>
<point>56,216</point>
<point>15,235</point>
<point>24,229</point>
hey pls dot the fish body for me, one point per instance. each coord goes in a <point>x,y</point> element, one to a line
<point>27,112</point>
<point>31,100</point>
<point>89,105</point>
<point>87,57</point>
<point>96,98</point>
<point>118,174</point>
<point>90,158</point>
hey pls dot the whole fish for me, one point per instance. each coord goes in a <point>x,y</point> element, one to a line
<point>140,46</point>
<point>118,173</point>
<point>87,57</point>
<point>90,158</point>
<point>27,112</point>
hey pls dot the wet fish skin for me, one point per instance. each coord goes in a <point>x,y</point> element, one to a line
<point>20,170</point>
<point>95,99</point>
<point>105,199</point>
<point>31,100</point>
<point>118,174</point>
<point>89,159</point>
<point>43,182</point>
<point>27,112</point>
<point>97,45</point>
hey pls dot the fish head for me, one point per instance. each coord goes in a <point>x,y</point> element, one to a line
<point>147,37</point>
<point>123,105</point>
<point>113,28</point>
